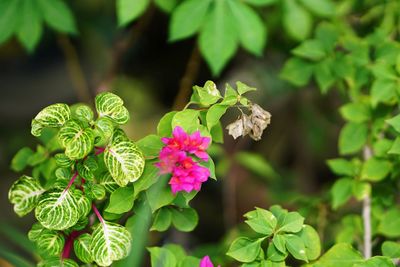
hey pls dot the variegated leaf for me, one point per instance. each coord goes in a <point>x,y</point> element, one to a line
<point>123,159</point>
<point>59,209</point>
<point>104,129</point>
<point>111,106</point>
<point>51,242</point>
<point>110,242</point>
<point>35,231</point>
<point>84,113</point>
<point>95,191</point>
<point>86,168</point>
<point>108,182</point>
<point>25,194</point>
<point>82,248</point>
<point>57,262</point>
<point>52,116</point>
<point>77,140</point>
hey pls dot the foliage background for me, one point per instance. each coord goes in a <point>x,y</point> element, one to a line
<point>150,74</point>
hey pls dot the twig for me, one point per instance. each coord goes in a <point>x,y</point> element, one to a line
<point>74,69</point>
<point>185,85</point>
<point>366,213</point>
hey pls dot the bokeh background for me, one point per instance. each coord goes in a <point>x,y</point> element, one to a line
<point>155,76</point>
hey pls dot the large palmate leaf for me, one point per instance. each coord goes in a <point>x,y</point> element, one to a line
<point>111,106</point>
<point>82,248</point>
<point>25,194</point>
<point>123,159</point>
<point>110,242</point>
<point>52,116</point>
<point>57,261</point>
<point>77,140</point>
<point>50,242</point>
<point>60,209</point>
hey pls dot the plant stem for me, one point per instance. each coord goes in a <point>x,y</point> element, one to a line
<point>96,211</point>
<point>99,150</point>
<point>366,213</point>
<point>71,182</point>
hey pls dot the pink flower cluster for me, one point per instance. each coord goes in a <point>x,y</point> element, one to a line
<point>187,174</point>
<point>206,262</point>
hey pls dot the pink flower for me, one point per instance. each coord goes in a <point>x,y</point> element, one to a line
<point>187,174</point>
<point>206,262</point>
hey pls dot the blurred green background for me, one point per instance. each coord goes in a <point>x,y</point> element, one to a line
<point>154,76</point>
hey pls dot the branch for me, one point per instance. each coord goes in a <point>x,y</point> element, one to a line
<point>366,213</point>
<point>185,85</point>
<point>74,69</point>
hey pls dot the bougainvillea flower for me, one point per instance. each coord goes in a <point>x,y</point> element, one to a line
<point>206,262</point>
<point>187,174</point>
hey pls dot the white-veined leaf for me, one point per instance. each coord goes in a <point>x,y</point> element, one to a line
<point>82,248</point>
<point>108,182</point>
<point>25,194</point>
<point>111,106</point>
<point>110,242</point>
<point>51,242</point>
<point>52,116</point>
<point>35,231</point>
<point>78,141</point>
<point>123,159</point>
<point>59,209</point>
<point>57,261</point>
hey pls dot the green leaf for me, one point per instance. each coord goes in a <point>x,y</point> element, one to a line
<point>383,91</point>
<point>218,38</point>
<point>295,246</point>
<point>342,167</point>
<point>63,161</point>
<point>38,157</point>
<point>310,49</point>
<point>260,2</point>
<point>296,20</point>
<point>394,147</point>
<point>25,194</point>
<point>187,119</point>
<point>291,222</point>
<point>57,261</point>
<point>322,8</point>
<point>30,27</point>
<point>356,112</point>
<point>323,72</point>
<point>20,160</point>
<point>341,192</point>
<point>159,195</point>
<point>83,113</point>
<point>352,138</point>
<point>390,223</point>
<point>87,167</point>
<point>51,242</point>
<point>377,261</point>
<point>206,95</point>
<point>58,15</point>
<point>164,127</point>
<point>53,116</point>
<point>123,159</point>
<point>166,5</point>
<point>251,28</point>
<point>9,18</point>
<point>342,254</point>
<point>361,190</point>
<point>94,191</point>
<point>274,254</point>
<point>375,169</point>
<point>104,128</point>
<point>214,114</point>
<point>82,248</point>
<point>279,242</point>
<point>150,145</point>
<point>59,209</point>
<point>395,123</point>
<point>110,242</point>
<point>162,220</point>
<point>162,257</point>
<point>108,182</point>
<point>391,249</point>
<point>189,261</point>
<point>297,71</point>
<point>78,141</point>
<point>111,106</point>
<point>257,164</point>
<point>187,18</point>
<point>261,221</point>
<point>185,220</point>
<point>311,241</point>
<point>35,232</point>
<point>129,10</point>
<point>121,200</point>
<point>244,249</point>
<point>149,176</point>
